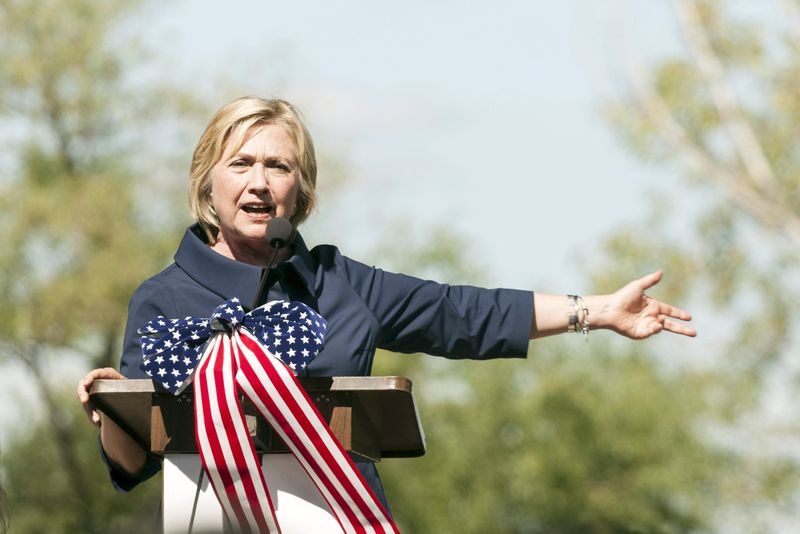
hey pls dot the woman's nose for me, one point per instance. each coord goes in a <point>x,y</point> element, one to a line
<point>259,179</point>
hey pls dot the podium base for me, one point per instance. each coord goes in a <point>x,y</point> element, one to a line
<point>299,506</point>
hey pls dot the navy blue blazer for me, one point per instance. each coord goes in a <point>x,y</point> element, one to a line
<point>366,308</point>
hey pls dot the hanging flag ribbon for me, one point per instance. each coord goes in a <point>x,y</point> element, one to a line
<point>242,355</point>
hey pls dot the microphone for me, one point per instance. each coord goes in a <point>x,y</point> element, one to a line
<point>279,234</point>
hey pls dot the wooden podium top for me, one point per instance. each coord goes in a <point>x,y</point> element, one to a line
<point>374,417</point>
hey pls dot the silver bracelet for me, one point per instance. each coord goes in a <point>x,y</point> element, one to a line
<point>576,323</point>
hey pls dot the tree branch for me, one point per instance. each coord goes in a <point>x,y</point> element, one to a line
<point>53,112</point>
<point>63,438</point>
<point>733,184</point>
<point>744,139</point>
<point>792,10</point>
<point>108,355</point>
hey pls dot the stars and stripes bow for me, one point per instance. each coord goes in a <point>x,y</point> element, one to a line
<point>171,348</point>
<point>240,356</point>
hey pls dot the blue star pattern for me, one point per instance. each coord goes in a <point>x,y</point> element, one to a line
<point>171,348</point>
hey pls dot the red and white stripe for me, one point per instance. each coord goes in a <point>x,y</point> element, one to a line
<point>228,453</point>
<point>223,441</point>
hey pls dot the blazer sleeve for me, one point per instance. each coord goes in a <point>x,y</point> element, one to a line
<point>455,321</point>
<point>149,301</point>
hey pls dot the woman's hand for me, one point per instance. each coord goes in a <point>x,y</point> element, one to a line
<point>631,313</point>
<point>85,384</point>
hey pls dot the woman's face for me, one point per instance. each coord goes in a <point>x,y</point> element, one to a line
<point>253,185</point>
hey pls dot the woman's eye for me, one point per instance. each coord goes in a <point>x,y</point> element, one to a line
<point>282,167</point>
<point>238,163</point>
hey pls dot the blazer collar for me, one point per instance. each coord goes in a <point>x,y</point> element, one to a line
<point>230,278</point>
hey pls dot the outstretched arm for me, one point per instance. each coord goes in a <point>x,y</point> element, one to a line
<point>628,312</point>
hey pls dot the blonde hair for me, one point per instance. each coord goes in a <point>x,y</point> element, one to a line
<point>227,131</point>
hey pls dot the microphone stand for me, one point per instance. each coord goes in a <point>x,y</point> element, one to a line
<point>265,275</point>
<point>279,234</point>
<point>196,499</point>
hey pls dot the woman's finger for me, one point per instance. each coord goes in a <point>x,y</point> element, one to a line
<point>672,311</point>
<point>648,281</point>
<point>85,385</point>
<point>679,328</point>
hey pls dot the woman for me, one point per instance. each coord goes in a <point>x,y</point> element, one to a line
<point>255,162</point>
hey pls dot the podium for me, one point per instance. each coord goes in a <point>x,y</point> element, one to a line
<point>372,417</point>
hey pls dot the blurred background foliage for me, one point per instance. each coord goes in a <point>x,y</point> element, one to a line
<point>604,437</point>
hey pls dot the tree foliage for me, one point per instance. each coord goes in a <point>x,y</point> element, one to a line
<point>73,220</point>
<point>567,443</point>
<point>81,228</point>
<point>581,438</point>
<point>41,495</point>
<point>726,116</point>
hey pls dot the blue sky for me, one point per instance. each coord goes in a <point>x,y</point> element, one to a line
<point>482,117</point>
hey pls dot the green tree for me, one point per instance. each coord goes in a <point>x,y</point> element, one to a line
<point>725,116</point>
<point>581,438</point>
<point>42,497</point>
<point>81,227</point>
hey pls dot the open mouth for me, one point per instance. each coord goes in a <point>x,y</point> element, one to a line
<point>257,209</point>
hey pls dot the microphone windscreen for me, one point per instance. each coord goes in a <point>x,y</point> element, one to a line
<point>279,232</point>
